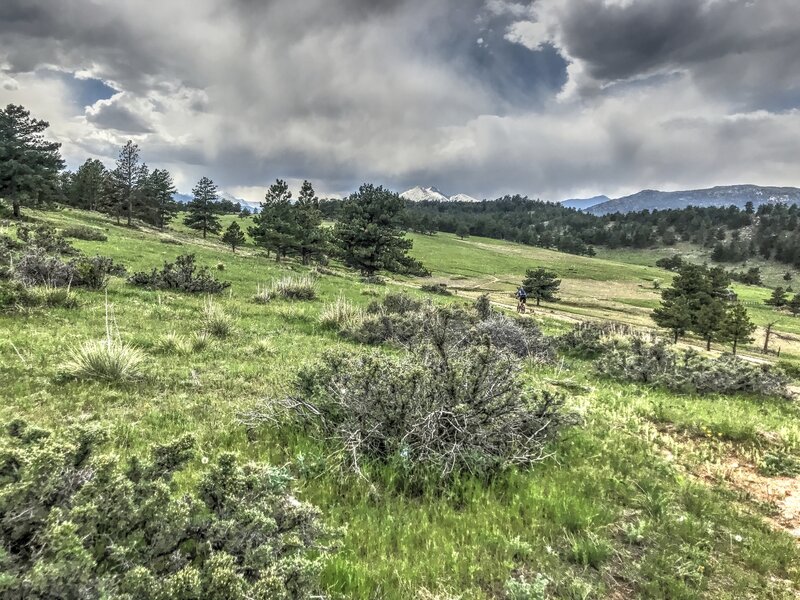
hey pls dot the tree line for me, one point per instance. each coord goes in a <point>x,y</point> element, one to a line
<point>368,235</point>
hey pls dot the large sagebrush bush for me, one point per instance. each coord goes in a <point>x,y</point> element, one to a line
<point>438,410</point>
<point>640,360</point>
<point>75,525</point>
<point>182,275</point>
<point>37,267</point>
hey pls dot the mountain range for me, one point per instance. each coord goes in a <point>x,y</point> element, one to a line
<point>253,206</point>
<point>736,195</point>
<point>420,194</point>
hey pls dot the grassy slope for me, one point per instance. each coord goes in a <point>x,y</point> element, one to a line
<point>609,513</point>
<point>592,288</point>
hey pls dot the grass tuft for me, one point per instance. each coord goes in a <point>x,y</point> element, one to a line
<point>340,314</point>
<point>105,360</point>
<point>216,322</point>
<point>303,287</point>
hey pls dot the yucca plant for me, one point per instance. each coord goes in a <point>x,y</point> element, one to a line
<point>339,314</point>
<point>109,359</point>
<point>172,343</point>
<point>303,287</point>
<point>216,322</point>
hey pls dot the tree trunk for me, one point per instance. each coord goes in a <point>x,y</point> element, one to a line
<point>130,209</point>
<point>675,340</point>
<point>734,346</point>
<point>537,300</point>
<point>766,339</point>
<point>708,343</point>
<point>204,233</point>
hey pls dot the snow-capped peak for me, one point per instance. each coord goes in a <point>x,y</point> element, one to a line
<point>421,194</point>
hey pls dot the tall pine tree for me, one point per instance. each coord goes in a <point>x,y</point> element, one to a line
<point>201,211</point>
<point>29,164</point>
<point>160,195</point>
<point>233,236</point>
<point>275,227</point>
<point>124,183</point>
<point>737,327</point>
<point>368,236</point>
<point>86,187</point>
<point>312,239</point>
<point>542,284</point>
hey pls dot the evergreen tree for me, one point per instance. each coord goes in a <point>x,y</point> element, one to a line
<point>675,315</point>
<point>125,183</point>
<point>368,235</point>
<point>541,284</point>
<point>778,298</point>
<point>312,239</point>
<point>276,227</point>
<point>787,276</point>
<point>462,230</point>
<point>233,236</point>
<point>794,305</point>
<point>202,213</point>
<point>162,206</point>
<point>737,326</point>
<point>87,185</point>
<point>29,164</point>
<point>709,319</point>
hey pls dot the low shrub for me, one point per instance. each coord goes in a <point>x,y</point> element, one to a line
<point>339,315</point>
<point>521,589</point>
<point>436,411</point>
<point>107,360</point>
<point>483,306</point>
<point>14,297</point>
<point>373,280</point>
<point>395,303</point>
<point>639,360</point>
<point>182,275</point>
<point>170,241</point>
<point>76,524</point>
<point>82,232</point>
<point>302,287</point>
<point>215,321</point>
<point>45,238</point>
<point>590,339</point>
<point>520,338</point>
<point>36,267</point>
<point>436,288</point>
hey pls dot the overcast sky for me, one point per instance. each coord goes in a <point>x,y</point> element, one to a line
<point>551,98</point>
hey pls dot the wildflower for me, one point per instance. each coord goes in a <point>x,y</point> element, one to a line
<point>204,460</point>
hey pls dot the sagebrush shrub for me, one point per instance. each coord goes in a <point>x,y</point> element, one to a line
<point>78,525</point>
<point>45,238</point>
<point>107,360</point>
<point>512,336</point>
<point>82,232</point>
<point>589,339</point>
<point>637,359</point>
<point>483,306</point>
<point>439,409</point>
<point>36,267</point>
<point>290,287</point>
<point>182,275</point>
<point>436,288</point>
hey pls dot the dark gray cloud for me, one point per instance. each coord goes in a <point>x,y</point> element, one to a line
<point>549,98</point>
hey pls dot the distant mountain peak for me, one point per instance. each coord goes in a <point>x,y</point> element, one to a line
<point>431,194</point>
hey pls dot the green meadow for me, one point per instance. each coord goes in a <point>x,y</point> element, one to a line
<point>639,500</point>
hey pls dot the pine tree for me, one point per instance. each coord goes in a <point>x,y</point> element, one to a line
<point>676,315</point>
<point>540,283</point>
<point>737,326</point>
<point>275,227</point>
<point>234,236</point>
<point>312,239</point>
<point>125,183</point>
<point>368,236</point>
<point>29,164</point>
<point>162,206</point>
<point>794,305</point>
<point>87,185</point>
<point>202,212</point>
<point>778,298</point>
<point>708,319</point>
<point>462,230</point>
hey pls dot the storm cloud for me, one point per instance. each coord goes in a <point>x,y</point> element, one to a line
<point>552,98</point>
